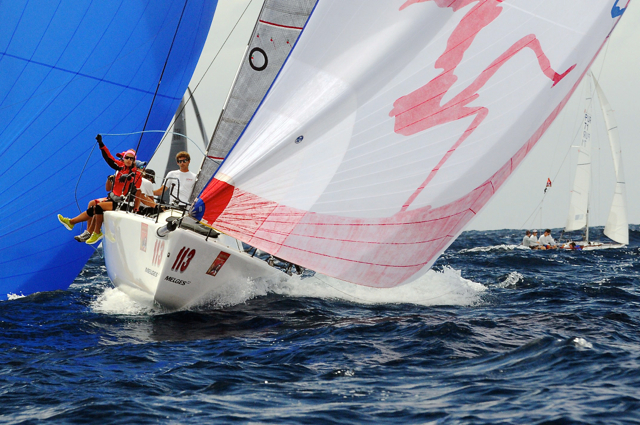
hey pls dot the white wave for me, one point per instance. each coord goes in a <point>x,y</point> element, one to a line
<point>12,297</point>
<point>447,287</point>
<point>114,301</point>
<point>496,248</point>
<point>512,279</point>
<point>582,343</point>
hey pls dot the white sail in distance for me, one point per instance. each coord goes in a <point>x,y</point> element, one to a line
<point>393,123</point>
<point>579,205</point>
<point>617,227</point>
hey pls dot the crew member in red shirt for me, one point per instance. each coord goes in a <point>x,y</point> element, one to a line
<point>127,180</point>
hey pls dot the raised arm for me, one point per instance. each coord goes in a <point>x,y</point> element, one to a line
<point>111,161</point>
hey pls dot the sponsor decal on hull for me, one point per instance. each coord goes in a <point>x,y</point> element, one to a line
<point>218,263</point>
<point>151,272</point>
<point>176,280</point>
<point>144,230</point>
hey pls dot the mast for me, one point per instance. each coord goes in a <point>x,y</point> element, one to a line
<point>178,143</point>
<point>203,131</point>
<point>586,229</point>
<point>577,217</point>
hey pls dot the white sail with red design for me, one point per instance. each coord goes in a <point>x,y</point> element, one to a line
<point>393,123</point>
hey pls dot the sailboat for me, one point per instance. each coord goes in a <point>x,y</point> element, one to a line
<point>386,130</point>
<point>617,227</point>
<point>69,70</point>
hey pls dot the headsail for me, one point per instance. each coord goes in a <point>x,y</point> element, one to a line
<point>70,70</point>
<point>579,205</point>
<point>393,123</point>
<point>276,32</point>
<point>617,227</point>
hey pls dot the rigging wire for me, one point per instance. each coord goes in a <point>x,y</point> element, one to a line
<point>155,94</point>
<point>157,131</point>
<point>191,95</point>
<point>75,192</point>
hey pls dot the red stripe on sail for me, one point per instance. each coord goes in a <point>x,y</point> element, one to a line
<point>281,26</point>
<point>218,194</point>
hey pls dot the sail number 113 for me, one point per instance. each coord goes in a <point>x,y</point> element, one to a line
<point>183,259</point>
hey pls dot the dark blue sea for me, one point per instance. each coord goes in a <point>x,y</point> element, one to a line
<point>495,334</point>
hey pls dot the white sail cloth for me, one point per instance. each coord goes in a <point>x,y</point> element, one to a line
<point>579,204</point>
<point>617,227</point>
<point>276,32</point>
<point>392,123</point>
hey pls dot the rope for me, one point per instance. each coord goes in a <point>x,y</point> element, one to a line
<point>157,131</point>
<point>75,191</point>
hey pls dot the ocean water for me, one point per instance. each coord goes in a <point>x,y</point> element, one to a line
<point>494,334</point>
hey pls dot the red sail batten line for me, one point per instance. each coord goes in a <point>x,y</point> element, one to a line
<point>348,259</point>
<point>281,26</point>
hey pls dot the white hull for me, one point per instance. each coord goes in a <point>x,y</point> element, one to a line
<point>592,246</point>
<point>178,270</point>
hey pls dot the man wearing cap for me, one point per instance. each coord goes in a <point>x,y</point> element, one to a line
<point>533,240</point>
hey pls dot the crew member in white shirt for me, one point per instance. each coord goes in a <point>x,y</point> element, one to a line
<point>546,240</point>
<point>185,178</point>
<point>526,241</point>
<point>533,240</point>
<point>146,192</point>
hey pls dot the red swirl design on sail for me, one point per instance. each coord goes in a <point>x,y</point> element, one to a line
<point>379,252</point>
<point>385,251</point>
<point>423,108</point>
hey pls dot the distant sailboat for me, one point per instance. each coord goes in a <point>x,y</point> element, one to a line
<point>617,227</point>
<point>389,126</point>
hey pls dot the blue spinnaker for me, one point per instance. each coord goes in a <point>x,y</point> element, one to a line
<point>69,70</point>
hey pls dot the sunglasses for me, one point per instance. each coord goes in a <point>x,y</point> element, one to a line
<point>129,157</point>
<point>180,161</point>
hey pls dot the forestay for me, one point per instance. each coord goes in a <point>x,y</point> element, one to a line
<point>276,32</point>
<point>393,123</point>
